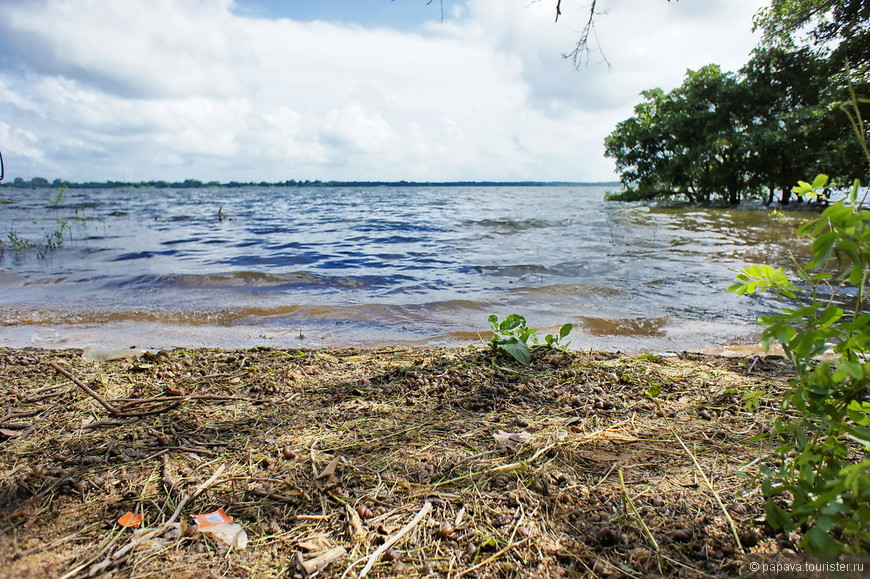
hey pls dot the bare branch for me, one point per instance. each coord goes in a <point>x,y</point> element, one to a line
<point>580,55</point>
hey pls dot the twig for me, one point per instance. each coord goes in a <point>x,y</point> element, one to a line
<point>101,423</point>
<point>135,401</point>
<point>321,561</point>
<point>505,467</point>
<point>389,542</point>
<point>492,557</point>
<point>112,410</point>
<point>193,450</point>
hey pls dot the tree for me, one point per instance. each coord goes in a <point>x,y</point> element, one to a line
<point>789,120</point>
<point>691,141</point>
<point>727,135</point>
<point>839,29</point>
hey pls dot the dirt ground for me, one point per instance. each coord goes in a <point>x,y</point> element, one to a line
<point>390,462</point>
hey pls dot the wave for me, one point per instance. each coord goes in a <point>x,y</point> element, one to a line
<point>257,282</point>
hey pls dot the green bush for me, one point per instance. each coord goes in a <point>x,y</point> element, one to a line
<point>820,480</point>
<point>511,336</point>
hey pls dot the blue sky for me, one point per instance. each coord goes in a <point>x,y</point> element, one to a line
<point>338,90</point>
<point>400,14</point>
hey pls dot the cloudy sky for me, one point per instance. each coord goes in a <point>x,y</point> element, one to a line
<point>338,89</point>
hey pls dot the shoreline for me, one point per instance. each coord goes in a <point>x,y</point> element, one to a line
<point>723,339</point>
<point>335,449</point>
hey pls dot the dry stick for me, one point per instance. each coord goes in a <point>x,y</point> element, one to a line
<point>524,463</point>
<point>728,518</point>
<point>389,542</point>
<point>106,544</point>
<point>505,467</point>
<point>105,404</point>
<point>85,387</point>
<point>492,557</point>
<point>321,561</point>
<point>135,401</point>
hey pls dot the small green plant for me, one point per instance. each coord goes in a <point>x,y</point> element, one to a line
<point>55,201</point>
<point>17,242</point>
<point>820,481</point>
<point>513,337</point>
<point>776,214</point>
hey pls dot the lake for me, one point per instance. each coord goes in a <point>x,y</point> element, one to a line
<point>335,266</point>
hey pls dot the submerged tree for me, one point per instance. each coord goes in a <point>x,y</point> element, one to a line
<point>691,141</point>
<point>735,135</point>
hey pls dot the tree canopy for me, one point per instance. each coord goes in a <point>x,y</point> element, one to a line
<point>755,132</point>
<point>840,29</point>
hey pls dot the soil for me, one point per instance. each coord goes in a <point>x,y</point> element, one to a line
<point>462,465</point>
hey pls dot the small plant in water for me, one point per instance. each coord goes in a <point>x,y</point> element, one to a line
<point>776,214</point>
<point>513,337</point>
<point>55,201</point>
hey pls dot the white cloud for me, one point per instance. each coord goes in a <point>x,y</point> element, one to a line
<point>171,89</point>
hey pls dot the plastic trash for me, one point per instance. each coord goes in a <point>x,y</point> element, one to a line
<point>45,337</point>
<point>94,353</point>
<point>231,534</point>
<point>130,520</point>
<point>220,526</point>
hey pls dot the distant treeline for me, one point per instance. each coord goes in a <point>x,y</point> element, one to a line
<point>41,183</point>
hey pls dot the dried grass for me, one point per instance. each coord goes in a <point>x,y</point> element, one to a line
<point>322,449</point>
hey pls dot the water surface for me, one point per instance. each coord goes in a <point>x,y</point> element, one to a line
<point>307,267</point>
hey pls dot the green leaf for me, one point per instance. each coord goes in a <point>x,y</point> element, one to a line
<point>820,181</point>
<point>818,541</point>
<point>512,322</point>
<point>519,350</point>
<point>777,517</point>
<point>565,330</point>
<point>825,523</point>
<point>802,188</point>
<point>830,315</point>
<point>822,247</point>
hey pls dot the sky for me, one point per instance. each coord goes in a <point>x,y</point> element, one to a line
<point>272,90</point>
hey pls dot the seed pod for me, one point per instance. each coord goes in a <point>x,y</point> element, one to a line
<point>749,539</point>
<point>445,530</point>
<point>738,509</point>
<point>608,537</point>
<point>392,555</point>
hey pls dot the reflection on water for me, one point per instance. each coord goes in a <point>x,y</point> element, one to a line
<point>353,266</point>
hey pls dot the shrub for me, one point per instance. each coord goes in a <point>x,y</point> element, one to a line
<point>820,481</point>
